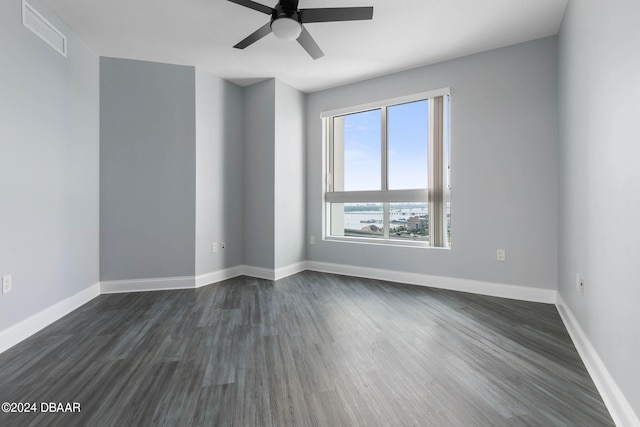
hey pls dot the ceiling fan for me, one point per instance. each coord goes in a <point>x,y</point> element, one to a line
<point>286,22</point>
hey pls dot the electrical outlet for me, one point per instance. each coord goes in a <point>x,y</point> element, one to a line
<point>501,254</point>
<point>312,240</point>
<point>579,284</point>
<point>223,246</point>
<point>6,284</point>
<point>214,247</point>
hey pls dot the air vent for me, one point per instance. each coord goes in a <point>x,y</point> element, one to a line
<point>33,20</point>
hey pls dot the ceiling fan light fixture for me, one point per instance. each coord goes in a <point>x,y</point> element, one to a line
<point>286,28</point>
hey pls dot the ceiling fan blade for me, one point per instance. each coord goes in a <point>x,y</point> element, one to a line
<point>255,36</point>
<point>309,44</point>
<point>331,14</point>
<point>253,5</point>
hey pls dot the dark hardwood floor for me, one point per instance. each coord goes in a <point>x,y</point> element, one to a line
<point>313,349</point>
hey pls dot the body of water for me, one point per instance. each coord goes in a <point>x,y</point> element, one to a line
<point>353,220</point>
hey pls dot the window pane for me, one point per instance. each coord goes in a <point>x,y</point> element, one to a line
<point>409,221</point>
<point>357,219</point>
<point>408,135</point>
<point>357,151</point>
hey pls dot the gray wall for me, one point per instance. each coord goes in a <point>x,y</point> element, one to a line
<point>600,180</point>
<point>290,224</point>
<point>147,170</point>
<point>219,172</point>
<point>259,178</point>
<point>504,167</point>
<point>48,167</point>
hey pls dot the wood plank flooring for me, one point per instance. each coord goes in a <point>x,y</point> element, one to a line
<point>312,349</point>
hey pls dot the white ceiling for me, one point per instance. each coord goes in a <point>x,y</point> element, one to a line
<point>403,34</point>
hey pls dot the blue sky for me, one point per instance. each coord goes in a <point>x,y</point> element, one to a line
<point>408,135</point>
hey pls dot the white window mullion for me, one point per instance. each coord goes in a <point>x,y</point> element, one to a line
<point>384,185</point>
<point>385,170</point>
<point>337,154</point>
<point>330,166</point>
<point>418,195</point>
<point>386,222</point>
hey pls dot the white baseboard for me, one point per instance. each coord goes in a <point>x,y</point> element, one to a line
<point>143,285</point>
<point>259,272</point>
<point>289,270</point>
<point>219,276</point>
<point>191,282</point>
<point>277,274</point>
<point>455,284</point>
<point>619,408</point>
<point>169,283</point>
<point>24,329</point>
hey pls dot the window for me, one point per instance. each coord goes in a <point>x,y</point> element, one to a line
<point>388,171</point>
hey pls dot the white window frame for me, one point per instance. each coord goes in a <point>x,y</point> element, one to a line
<point>438,193</point>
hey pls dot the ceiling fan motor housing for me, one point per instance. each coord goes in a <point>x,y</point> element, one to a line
<point>279,11</point>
